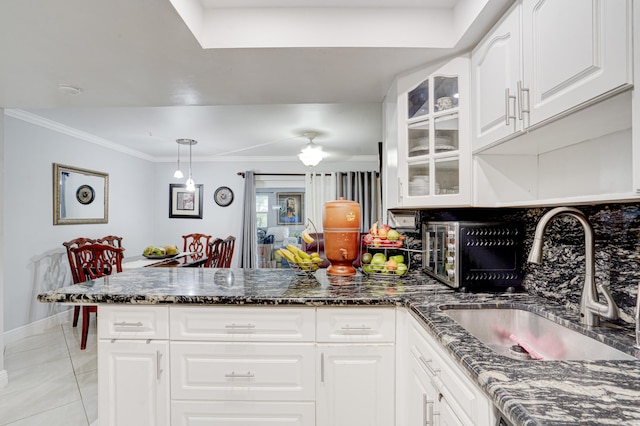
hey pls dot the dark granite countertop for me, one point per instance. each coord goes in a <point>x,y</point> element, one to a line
<point>526,392</point>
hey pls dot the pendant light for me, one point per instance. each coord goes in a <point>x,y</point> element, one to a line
<point>178,173</point>
<point>311,154</point>
<point>191,186</point>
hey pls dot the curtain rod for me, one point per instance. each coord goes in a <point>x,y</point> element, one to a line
<point>288,174</point>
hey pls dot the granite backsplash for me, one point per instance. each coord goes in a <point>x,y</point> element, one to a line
<point>560,276</point>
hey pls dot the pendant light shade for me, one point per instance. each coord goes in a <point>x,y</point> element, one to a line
<point>178,173</point>
<point>311,154</point>
<point>191,185</point>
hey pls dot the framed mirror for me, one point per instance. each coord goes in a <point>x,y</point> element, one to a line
<point>79,196</point>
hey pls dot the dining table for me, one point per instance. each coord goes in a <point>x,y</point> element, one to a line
<point>182,259</point>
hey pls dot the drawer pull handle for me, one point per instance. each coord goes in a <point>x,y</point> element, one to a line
<point>362,327</point>
<point>427,364</point>
<point>234,375</point>
<point>128,324</point>
<point>240,326</point>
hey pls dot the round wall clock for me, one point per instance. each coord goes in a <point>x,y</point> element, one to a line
<point>223,196</point>
<point>85,194</point>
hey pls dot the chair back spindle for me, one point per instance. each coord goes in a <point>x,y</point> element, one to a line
<point>198,244</point>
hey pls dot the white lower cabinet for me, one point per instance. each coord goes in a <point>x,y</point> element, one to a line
<point>133,366</point>
<point>432,390</point>
<point>356,385</point>
<point>356,358</point>
<point>345,366</point>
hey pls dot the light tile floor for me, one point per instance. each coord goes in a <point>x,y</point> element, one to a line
<point>51,381</point>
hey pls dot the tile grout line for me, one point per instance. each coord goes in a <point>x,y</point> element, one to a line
<point>75,375</point>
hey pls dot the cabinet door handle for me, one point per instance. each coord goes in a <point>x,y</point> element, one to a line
<point>425,401</point>
<point>399,190</point>
<point>234,375</point>
<point>427,364</point>
<point>430,413</point>
<point>128,324</point>
<point>322,368</point>
<point>240,326</point>
<point>521,108</point>
<point>350,328</point>
<point>507,106</point>
<point>158,368</point>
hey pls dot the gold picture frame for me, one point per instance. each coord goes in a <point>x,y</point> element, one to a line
<point>80,196</point>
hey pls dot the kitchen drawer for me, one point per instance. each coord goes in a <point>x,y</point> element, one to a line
<point>240,324</point>
<point>256,413</point>
<point>243,371</point>
<point>463,396</point>
<point>133,322</point>
<point>356,324</point>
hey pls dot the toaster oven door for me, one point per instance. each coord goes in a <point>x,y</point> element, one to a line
<point>441,242</point>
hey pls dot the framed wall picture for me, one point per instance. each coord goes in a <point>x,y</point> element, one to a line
<point>291,208</point>
<point>80,196</point>
<point>183,203</point>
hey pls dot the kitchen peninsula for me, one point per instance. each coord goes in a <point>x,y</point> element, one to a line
<point>524,392</point>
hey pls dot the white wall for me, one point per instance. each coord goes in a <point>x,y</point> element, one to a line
<point>222,221</point>
<point>35,260</point>
<point>34,256</point>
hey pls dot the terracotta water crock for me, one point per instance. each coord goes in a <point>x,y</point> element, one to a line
<point>341,227</point>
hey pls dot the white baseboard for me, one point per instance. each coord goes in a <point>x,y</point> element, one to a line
<point>4,378</point>
<point>36,327</point>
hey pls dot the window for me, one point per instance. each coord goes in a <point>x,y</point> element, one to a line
<point>262,210</point>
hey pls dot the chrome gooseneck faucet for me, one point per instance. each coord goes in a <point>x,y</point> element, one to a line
<point>590,308</point>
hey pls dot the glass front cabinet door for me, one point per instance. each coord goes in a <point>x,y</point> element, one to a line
<point>434,146</point>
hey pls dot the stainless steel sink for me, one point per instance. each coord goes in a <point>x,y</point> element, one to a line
<point>521,334</point>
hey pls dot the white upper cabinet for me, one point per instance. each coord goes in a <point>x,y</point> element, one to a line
<point>573,51</point>
<point>495,75</point>
<point>552,105</point>
<point>434,150</point>
<point>546,58</point>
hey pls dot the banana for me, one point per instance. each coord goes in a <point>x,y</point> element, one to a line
<point>287,255</point>
<point>297,250</point>
<point>306,237</point>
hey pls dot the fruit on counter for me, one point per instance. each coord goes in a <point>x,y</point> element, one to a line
<point>402,269</point>
<point>378,263</point>
<point>306,237</point>
<point>381,236</point>
<point>298,257</point>
<point>391,265</point>
<point>171,249</point>
<point>393,235</point>
<point>154,251</point>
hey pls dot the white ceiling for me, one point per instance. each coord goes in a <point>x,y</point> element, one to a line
<point>282,67</point>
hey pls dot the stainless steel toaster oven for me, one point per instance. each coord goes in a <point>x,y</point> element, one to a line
<point>474,256</point>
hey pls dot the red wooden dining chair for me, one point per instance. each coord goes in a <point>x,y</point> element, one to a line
<point>226,252</point>
<point>214,253</point>
<point>114,241</point>
<point>198,244</point>
<point>94,261</point>
<point>77,242</point>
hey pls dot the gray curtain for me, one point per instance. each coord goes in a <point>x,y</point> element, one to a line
<point>364,188</point>
<point>249,241</point>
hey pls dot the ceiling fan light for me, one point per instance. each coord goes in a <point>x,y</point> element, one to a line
<point>311,155</point>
